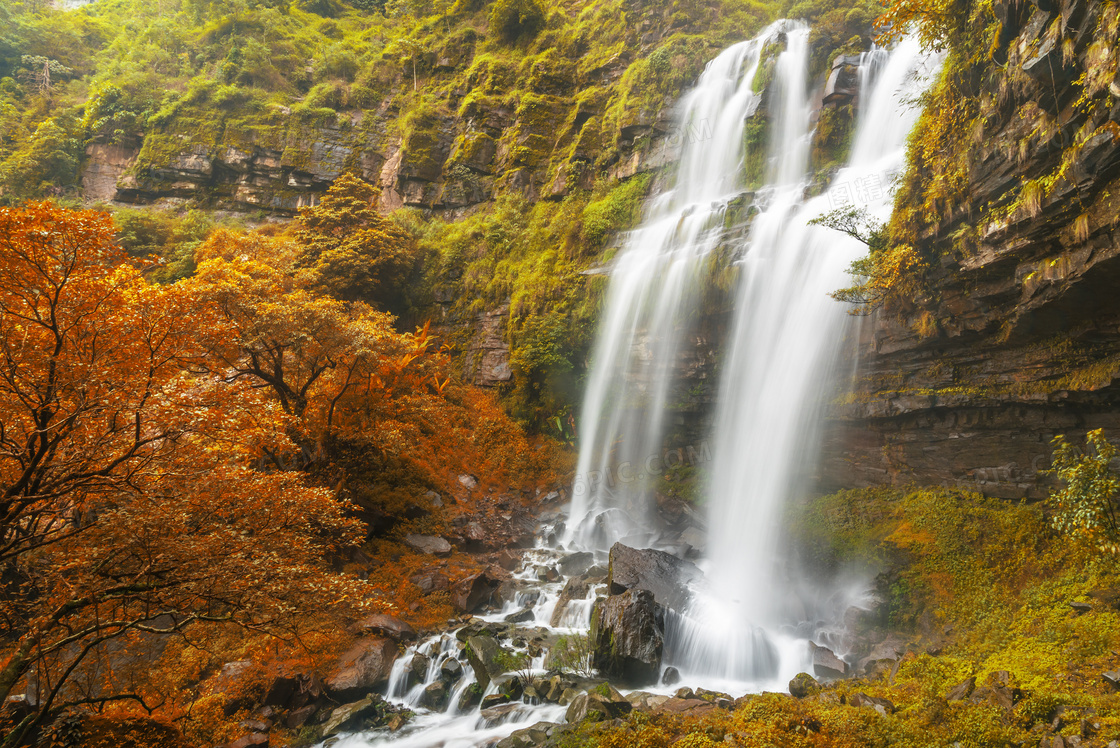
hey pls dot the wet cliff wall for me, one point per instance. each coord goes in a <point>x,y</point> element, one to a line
<point>1012,335</point>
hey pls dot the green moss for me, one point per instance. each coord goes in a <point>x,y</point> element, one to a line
<point>531,256</point>
<point>509,661</point>
<point>420,140</point>
<point>832,138</point>
<point>617,209</point>
<point>516,20</point>
<point>767,65</point>
<point>531,140</point>
<point>651,83</point>
<point>551,73</point>
<point>492,73</point>
<point>199,133</point>
<point>756,147</point>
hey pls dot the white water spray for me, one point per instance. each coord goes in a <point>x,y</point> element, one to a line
<point>653,295</point>
<point>780,358</point>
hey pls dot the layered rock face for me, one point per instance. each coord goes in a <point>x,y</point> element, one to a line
<point>1020,340</point>
<point>279,165</point>
<point>541,144</point>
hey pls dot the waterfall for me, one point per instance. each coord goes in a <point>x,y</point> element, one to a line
<point>653,295</point>
<point>782,347</point>
<point>740,629</point>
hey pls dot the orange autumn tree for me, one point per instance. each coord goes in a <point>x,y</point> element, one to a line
<point>322,358</point>
<point>131,504</point>
<point>371,403</point>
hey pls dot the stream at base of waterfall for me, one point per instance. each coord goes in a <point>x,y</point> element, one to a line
<point>749,620</point>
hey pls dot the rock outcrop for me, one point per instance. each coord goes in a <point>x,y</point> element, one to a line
<point>627,637</point>
<point>1018,340</point>
<point>429,544</point>
<point>364,714</point>
<point>542,142</point>
<point>488,658</point>
<point>380,624</point>
<point>664,575</point>
<point>470,593</point>
<point>363,668</point>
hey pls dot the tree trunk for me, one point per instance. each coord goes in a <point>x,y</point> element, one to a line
<point>15,669</point>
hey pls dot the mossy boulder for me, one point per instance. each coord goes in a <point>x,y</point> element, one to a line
<point>803,685</point>
<point>599,704</point>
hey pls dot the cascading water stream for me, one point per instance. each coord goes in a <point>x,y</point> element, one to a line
<point>652,297</point>
<point>779,362</point>
<point>782,348</point>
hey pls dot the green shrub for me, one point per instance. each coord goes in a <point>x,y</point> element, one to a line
<point>332,95</point>
<point>516,20</point>
<point>1085,507</point>
<point>45,164</point>
<point>168,238</point>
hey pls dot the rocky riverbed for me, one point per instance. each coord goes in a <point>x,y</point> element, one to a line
<point>556,639</point>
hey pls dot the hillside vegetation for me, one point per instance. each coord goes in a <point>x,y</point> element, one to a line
<point>512,138</point>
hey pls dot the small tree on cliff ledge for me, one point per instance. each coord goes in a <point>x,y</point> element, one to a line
<point>352,251</point>
<point>886,275</point>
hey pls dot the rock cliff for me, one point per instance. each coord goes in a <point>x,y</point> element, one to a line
<point>1018,338</point>
<point>539,133</point>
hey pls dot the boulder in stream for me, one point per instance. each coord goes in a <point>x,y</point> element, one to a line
<point>627,637</point>
<point>471,593</point>
<point>417,669</point>
<point>663,574</point>
<point>363,668</point>
<point>451,670</point>
<point>489,659</point>
<point>826,664</point>
<point>469,698</point>
<point>528,737</point>
<point>499,715</point>
<point>601,703</point>
<point>575,588</point>
<point>522,616</point>
<point>492,700</point>
<point>368,712</point>
<point>435,696</point>
<point>576,563</point>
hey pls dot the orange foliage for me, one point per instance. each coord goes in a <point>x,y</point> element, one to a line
<point>156,452</point>
<point>353,252</point>
<point>374,396</point>
<point>132,505</point>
